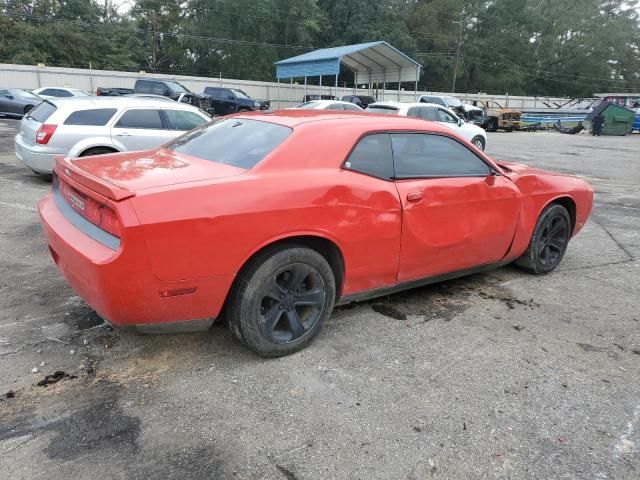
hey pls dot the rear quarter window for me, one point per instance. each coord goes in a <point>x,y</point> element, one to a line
<point>42,112</point>
<point>96,117</point>
<point>372,156</point>
<point>240,143</point>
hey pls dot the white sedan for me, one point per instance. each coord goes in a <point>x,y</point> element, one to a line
<point>60,92</point>
<point>328,105</point>
<point>434,113</point>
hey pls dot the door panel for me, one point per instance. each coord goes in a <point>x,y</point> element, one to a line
<point>457,213</point>
<point>141,129</point>
<point>452,224</point>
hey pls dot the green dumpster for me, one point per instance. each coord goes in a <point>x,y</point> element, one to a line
<point>617,120</point>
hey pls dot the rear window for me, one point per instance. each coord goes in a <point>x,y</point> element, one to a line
<point>96,117</point>
<point>42,112</point>
<point>380,109</point>
<point>308,105</point>
<point>240,143</point>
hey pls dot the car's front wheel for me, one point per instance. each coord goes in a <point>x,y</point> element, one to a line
<point>280,300</point>
<point>548,242</point>
<point>478,142</point>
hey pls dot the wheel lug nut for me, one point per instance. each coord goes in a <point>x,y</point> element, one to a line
<point>289,309</point>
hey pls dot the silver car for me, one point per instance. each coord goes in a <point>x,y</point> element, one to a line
<point>82,126</point>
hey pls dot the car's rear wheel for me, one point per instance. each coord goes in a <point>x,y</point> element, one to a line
<point>280,300</point>
<point>492,125</point>
<point>97,151</point>
<point>478,141</point>
<point>548,242</point>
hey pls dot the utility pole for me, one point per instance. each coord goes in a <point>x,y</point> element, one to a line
<point>455,70</point>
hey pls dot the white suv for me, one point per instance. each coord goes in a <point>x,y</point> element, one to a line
<point>82,126</point>
<point>434,113</point>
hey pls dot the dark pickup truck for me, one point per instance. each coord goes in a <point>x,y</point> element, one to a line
<point>231,100</point>
<point>165,88</point>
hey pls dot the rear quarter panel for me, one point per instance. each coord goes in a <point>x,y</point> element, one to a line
<point>213,227</point>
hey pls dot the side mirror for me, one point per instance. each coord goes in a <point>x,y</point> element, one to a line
<point>9,96</point>
<point>460,122</point>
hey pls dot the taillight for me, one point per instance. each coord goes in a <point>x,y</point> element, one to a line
<point>109,221</point>
<point>96,212</point>
<point>45,132</point>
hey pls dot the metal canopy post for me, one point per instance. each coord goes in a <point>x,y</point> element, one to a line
<point>291,90</point>
<point>305,88</point>
<point>278,93</point>
<point>320,87</point>
<point>336,93</point>
<point>355,84</point>
<point>415,90</point>
<point>399,82</point>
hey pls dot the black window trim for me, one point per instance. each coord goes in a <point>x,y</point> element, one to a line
<point>492,170</point>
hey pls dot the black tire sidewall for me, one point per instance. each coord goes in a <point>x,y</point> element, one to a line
<point>246,303</point>
<point>476,138</point>
<point>532,252</point>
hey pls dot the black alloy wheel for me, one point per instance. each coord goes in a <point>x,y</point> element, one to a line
<point>292,302</point>
<point>549,241</point>
<point>280,299</point>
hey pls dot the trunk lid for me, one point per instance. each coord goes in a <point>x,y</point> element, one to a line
<point>120,175</point>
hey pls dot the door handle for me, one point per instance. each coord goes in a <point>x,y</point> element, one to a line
<point>414,196</point>
<point>123,134</point>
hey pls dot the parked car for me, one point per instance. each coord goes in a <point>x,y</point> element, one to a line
<point>83,126</point>
<point>311,97</point>
<point>452,103</point>
<point>292,213</point>
<point>175,91</point>
<point>60,92</point>
<point>113,92</point>
<point>233,100</point>
<point>165,88</point>
<point>328,105</point>
<point>360,100</point>
<point>474,115</point>
<point>434,113</point>
<point>17,102</point>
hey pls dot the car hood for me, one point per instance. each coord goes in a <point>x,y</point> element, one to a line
<point>134,171</point>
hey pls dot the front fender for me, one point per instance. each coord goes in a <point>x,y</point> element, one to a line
<point>94,142</point>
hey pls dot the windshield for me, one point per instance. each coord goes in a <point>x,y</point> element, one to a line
<point>240,93</point>
<point>176,87</point>
<point>22,93</point>
<point>453,101</point>
<point>381,109</point>
<point>240,143</point>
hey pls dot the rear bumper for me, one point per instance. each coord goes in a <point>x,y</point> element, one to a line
<point>119,284</point>
<point>37,157</point>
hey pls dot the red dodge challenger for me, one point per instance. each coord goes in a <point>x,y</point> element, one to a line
<point>272,219</point>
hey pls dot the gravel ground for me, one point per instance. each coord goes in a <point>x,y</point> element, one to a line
<point>500,375</point>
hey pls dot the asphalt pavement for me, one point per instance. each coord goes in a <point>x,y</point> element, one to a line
<point>497,375</point>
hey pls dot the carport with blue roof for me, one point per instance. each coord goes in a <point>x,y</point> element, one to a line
<point>373,62</point>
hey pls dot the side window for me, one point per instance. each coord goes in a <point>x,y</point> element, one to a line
<point>429,113</point>
<point>372,156</point>
<point>335,106</point>
<point>182,120</point>
<point>4,93</point>
<point>96,117</point>
<point>418,155</point>
<point>140,118</point>
<point>413,112</point>
<point>60,93</point>
<point>158,88</point>
<point>143,86</point>
<point>444,116</point>
<point>214,92</point>
<point>352,107</point>
<point>228,94</point>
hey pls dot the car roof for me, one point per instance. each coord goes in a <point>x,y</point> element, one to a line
<point>336,119</point>
<point>115,102</point>
<point>405,104</point>
<point>325,102</point>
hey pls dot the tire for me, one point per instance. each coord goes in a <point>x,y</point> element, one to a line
<point>492,125</point>
<point>96,151</point>
<point>280,299</point>
<point>478,141</point>
<point>546,248</point>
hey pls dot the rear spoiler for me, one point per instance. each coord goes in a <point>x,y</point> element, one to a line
<point>66,169</point>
